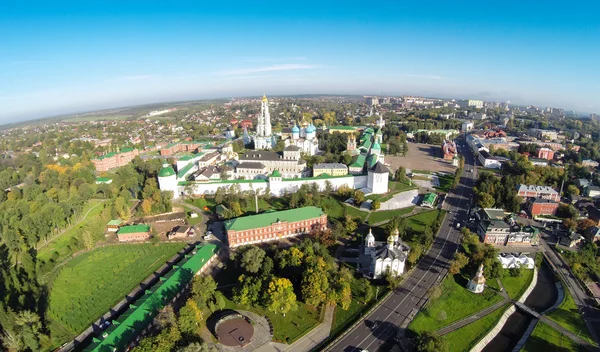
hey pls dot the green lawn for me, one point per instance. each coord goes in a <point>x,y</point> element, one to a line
<point>545,338</point>
<point>567,316</point>
<point>89,285</point>
<point>466,337</point>
<point>401,186</point>
<point>60,246</point>
<point>203,202</point>
<point>285,329</point>
<point>378,216</point>
<point>337,210</point>
<point>418,222</point>
<point>456,301</point>
<point>445,182</point>
<point>515,286</point>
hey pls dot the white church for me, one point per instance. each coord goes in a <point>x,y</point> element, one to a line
<point>304,138</point>
<point>386,256</point>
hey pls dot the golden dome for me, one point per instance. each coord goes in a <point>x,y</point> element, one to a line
<point>264,98</point>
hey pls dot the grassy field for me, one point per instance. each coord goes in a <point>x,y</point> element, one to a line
<point>515,286</point>
<point>455,301</point>
<point>567,316</point>
<point>338,210</point>
<point>545,338</point>
<point>250,209</point>
<point>378,216</point>
<point>60,246</point>
<point>464,338</point>
<point>418,222</point>
<point>89,285</point>
<point>445,183</point>
<point>285,329</point>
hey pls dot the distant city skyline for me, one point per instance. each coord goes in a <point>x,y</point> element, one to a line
<point>60,58</point>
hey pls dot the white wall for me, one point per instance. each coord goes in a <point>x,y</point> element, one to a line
<point>278,188</point>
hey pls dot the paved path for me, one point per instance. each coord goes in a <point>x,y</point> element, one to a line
<point>468,320</point>
<point>70,227</point>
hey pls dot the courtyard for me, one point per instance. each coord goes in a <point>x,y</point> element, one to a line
<point>421,157</point>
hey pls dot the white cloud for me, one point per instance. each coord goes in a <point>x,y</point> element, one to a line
<point>282,67</point>
<point>425,76</point>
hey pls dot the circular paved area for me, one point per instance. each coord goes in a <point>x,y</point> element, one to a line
<point>235,332</point>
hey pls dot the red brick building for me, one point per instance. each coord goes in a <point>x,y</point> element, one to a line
<point>246,123</point>
<point>274,226</point>
<point>538,206</point>
<point>112,160</point>
<point>545,153</point>
<point>134,233</point>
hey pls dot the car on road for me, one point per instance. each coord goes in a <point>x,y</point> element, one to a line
<point>458,225</point>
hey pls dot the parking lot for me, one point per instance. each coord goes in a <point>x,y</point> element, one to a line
<point>421,157</point>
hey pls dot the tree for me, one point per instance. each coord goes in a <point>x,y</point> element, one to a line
<point>430,342</point>
<point>358,197</point>
<point>376,204</point>
<point>517,271</point>
<point>280,296</point>
<point>315,285</point>
<point>147,206</point>
<point>441,315</point>
<point>166,317</point>
<point>364,290</point>
<point>415,253</point>
<point>460,261</point>
<point>248,291</point>
<point>198,347</point>
<point>252,259</point>
<point>400,174</point>
<point>324,237</point>
<point>486,200</point>
<point>349,224</point>
<point>391,279</point>
<point>434,292</point>
<point>88,239</point>
<point>190,318</point>
<point>203,289</point>
<point>573,190</point>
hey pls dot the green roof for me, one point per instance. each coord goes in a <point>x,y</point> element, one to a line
<point>376,146</point>
<point>276,173</point>
<point>108,155</point>
<point>126,150</point>
<point>360,161</point>
<point>185,170</point>
<point>166,171</point>
<point>372,160</point>
<point>429,198</point>
<point>114,223</point>
<point>133,229</point>
<point>266,219</point>
<point>185,158</point>
<point>138,316</point>
<point>103,179</point>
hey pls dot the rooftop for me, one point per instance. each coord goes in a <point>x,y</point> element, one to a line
<point>133,229</point>
<point>185,170</point>
<point>330,166</point>
<point>267,219</point>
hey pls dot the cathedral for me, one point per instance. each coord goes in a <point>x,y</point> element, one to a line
<point>264,140</point>
<point>304,138</point>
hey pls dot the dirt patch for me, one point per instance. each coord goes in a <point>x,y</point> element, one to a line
<point>421,157</point>
<point>163,226</point>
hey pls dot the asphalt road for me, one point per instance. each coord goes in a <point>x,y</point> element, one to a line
<point>399,308</point>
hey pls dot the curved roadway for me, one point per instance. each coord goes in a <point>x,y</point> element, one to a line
<point>399,308</point>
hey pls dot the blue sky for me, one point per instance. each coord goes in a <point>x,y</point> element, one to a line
<point>67,56</point>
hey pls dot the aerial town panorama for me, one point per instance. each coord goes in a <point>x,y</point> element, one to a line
<point>399,176</point>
